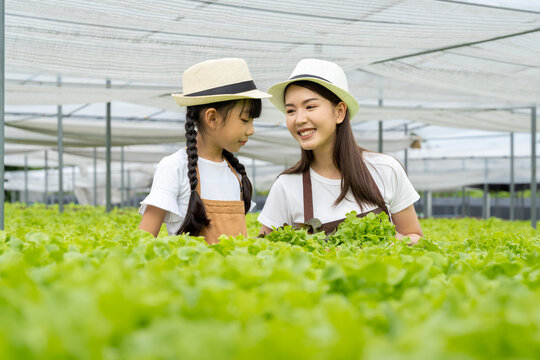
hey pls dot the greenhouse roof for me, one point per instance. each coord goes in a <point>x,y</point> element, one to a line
<point>450,54</point>
<point>462,64</point>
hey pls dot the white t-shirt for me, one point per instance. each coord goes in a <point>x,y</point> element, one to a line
<point>171,191</point>
<point>285,203</point>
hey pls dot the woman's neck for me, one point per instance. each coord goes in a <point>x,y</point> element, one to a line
<point>323,163</point>
<point>208,150</point>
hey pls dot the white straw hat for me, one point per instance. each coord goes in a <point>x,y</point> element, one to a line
<point>217,80</point>
<point>326,73</point>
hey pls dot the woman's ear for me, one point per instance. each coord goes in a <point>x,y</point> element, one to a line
<point>341,110</point>
<point>211,118</point>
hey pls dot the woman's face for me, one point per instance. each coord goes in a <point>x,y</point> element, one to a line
<point>311,118</point>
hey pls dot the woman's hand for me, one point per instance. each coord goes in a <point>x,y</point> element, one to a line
<point>265,230</point>
<point>407,224</point>
<point>414,238</point>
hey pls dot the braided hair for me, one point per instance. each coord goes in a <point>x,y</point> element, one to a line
<point>246,184</point>
<point>196,218</point>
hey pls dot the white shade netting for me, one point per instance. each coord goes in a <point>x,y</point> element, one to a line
<point>38,159</point>
<point>425,174</point>
<point>463,114</point>
<point>92,133</point>
<point>464,64</point>
<point>475,47</point>
<point>451,174</point>
<point>80,181</point>
<point>15,135</point>
<point>14,149</point>
<point>49,94</point>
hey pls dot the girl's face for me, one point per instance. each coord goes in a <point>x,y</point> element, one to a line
<point>233,132</point>
<point>311,118</point>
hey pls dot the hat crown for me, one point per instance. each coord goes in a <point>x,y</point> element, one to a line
<point>325,73</point>
<point>215,73</point>
<point>325,70</point>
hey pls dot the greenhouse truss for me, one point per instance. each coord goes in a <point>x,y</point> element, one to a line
<point>469,64</point>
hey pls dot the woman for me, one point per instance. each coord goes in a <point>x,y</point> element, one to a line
<point>334,176</point>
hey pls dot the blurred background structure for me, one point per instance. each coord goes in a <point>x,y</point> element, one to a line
<point>448,87</point>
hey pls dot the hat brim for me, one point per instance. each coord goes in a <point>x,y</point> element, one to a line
<point>277,90</point>
<point>183,100</point>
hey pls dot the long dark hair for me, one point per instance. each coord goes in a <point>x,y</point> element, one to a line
<point>196,219</point>
<point>347,157</point>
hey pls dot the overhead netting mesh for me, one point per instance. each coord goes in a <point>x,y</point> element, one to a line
<point>481,50</point>
<point>468,64</point>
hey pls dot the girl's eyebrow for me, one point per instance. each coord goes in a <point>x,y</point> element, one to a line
<point>303,102</point>
<point>245,112</point>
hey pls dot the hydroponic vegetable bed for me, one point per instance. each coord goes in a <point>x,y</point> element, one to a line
<point>87,285</point>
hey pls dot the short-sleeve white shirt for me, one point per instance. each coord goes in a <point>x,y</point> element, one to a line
<point>285,203</point>
<point>171,191</point>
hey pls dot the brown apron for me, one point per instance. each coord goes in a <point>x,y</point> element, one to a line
<point>331,226</point>
<point>226,217</point>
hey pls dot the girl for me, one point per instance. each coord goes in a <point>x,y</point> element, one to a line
<point>335,175</point>
<point>198,190</point>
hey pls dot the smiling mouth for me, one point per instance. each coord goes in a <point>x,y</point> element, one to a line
<point>243,142</point>
<point>306,132</point>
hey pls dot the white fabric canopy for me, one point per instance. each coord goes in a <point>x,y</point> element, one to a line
<point>92,132</point>
<point>468,64</point>
<point>486,118</point>
<point>48,94</point>
<point>80,181</point>
<point>439,174</point>
<point>15,135</point>
<point>264,145</point>
<point>482,51</point>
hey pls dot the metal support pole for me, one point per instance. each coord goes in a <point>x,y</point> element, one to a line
<point>128,195</point>
<point>429,204</point>
<point>512,179</point>
<point>2,120</point>
<point>60,154</point>
<point>254,176</point>
<point>73,179</point>
<point>463,204</point>
<point>121,176</point>
<point>46,177</point>
<point>380,124</point>
<point>95,177</point>
<point>26,179</point>
<point>522,204</point>
<point>108,206</point>
<point>495,204</point>
<point>380,149</point>
<point>456,206</point>
<point>485,203</point>
<point>533,166</point>
<point>406,155</point>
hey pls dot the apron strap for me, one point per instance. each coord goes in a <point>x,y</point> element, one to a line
<point>237,178</point>
<point>233,171</point>
<point>308,196</point>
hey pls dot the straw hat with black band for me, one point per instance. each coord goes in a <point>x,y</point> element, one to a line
<point>326,73</point>
<point>217,80</point>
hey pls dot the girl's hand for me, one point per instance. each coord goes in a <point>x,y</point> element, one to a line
<point>152,220</point>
